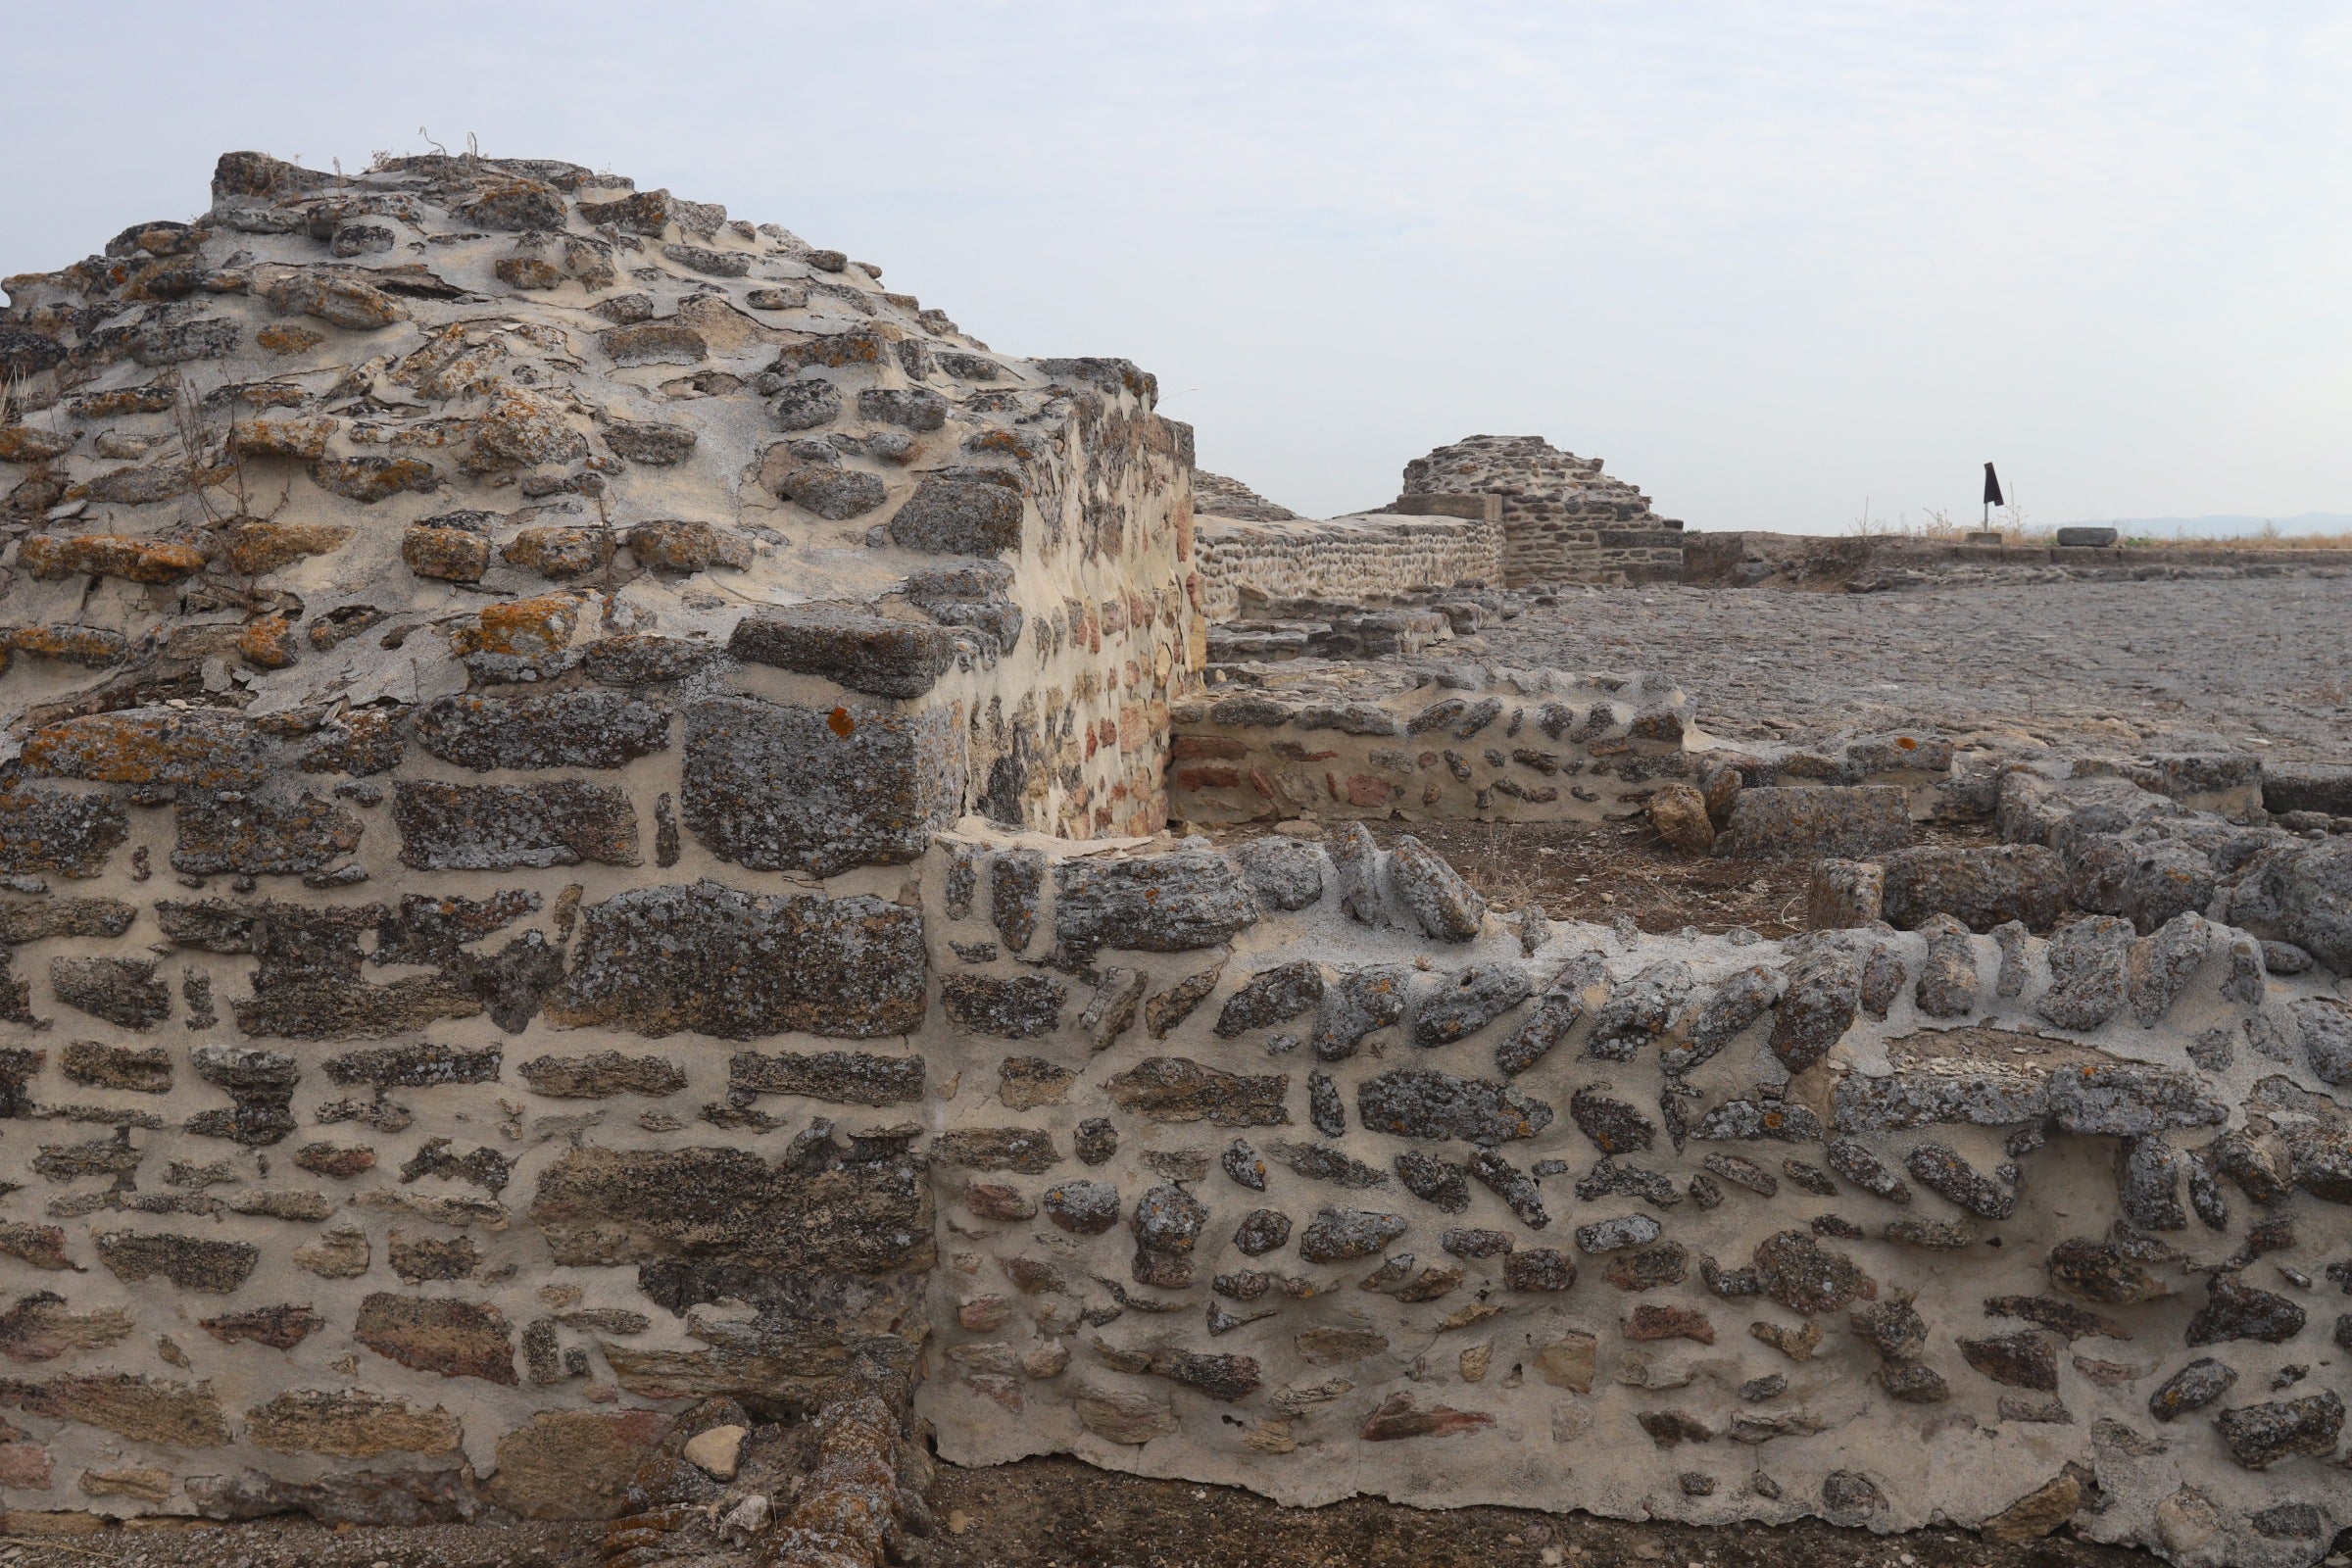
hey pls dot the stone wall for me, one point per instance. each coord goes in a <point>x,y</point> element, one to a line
<point>1563,519</point>
<point>1358,560</point>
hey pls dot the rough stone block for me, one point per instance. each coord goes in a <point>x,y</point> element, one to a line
<point>485,827</point>
<point>1801,821</point>
<point>864,652</point>
<point>773,787</point>
<point>554,729</point>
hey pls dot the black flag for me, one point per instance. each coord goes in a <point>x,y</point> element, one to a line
<point>1992,488</point>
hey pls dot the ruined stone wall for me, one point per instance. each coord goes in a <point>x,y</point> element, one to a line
<point>1564,520</point>
<point>1363,560</point>
<point>482,977</point>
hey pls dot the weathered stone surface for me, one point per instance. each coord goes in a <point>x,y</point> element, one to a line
<point>2026,1360</point>
<point>1944,1171</point>
<point>2260,1436</point>
<point>739,965</point>
<point>1007,1007</point>
<point>602,1075</point>
<point>774,787</point>
<point>1262,1230</point>
<point>190,1262</point>
<point>1949,981</point>
<point>975,511</point>
<point>419,1066</point>
<point>1822,995</point>
<point>1581,982</point>
<point>1082,1208</point>
<point>1357,1003</point>
<point>349,1424</point>
<point>1019,1148</point>
<point>1423,1102</point>
<point>1167,1224</point>
<point>2192,1388</point>
<point>1857,1163</point>
<point>261,834</point>
<point>58,832</point>
<point>1979,887</point>
<point>1639,1011</point>
<point>1678,813</point>
<point>2236,1310</point>
<point>2103,1272</point>
<point>281,1328</point>
<point>843,1077</point>
<point>1810,823</point>
<point>1178,1089</point>
<point>1804,1276</point>
<point>540,730</point>
<point>574,1465</point>
<point>2087,970</point>
<point>2301,894</point>
<point>142,1408</point>
<point>1270,996</point>
<point>1462,1003</point>
<point>1433,893</point>
<point>865,653</point>
<point>487,827</point>
<point>122,991</point>
<point>1339,1235</point>
<point>1283,872</point>
<point>1162,903</point>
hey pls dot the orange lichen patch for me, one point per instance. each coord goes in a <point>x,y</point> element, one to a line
<point>209,750</point>
<point>287,338</point>
<point>91,647</point>
<point>110,555</point>
<point>524,629</point>
<point>155,397</point>
<point>527,272</point>
<point>370,479</point>
<point>268,643</point>
<point>282,438</point>
<point>451,366</point>
<point>255,548</point>
<point>859,346</point>
<point>452,554</point>
<point>841,723</point>
<point>23,444</point>
<point>521,430</point>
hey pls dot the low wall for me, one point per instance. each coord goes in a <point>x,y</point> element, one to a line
<point>1355,560</point>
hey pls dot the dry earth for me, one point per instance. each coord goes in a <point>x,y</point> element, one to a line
<point>2264,663</point>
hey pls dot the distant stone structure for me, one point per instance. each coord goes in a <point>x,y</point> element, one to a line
<point>1563,519</point>
<point>1216,496</point>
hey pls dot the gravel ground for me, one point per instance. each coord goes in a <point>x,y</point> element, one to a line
<point>2255,663</point>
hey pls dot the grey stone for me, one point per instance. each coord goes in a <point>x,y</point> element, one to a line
<point>738,965</point>
<point>540,730</point>
<point>1262,1230</point>
<point>1458,1004</point>
<point>843,1077</point>
<point>1423,1102</point>
<point>1357,858</point>
<point>1339,1235</point>
<point>1639,1011</point>
<point>2260,1436</point>
<point>2089,965</point>
<point>122,991</point>
<point>1325,1111</point>
<point>1241,1164</point>
<point>1811,822</point>
<point>483,827</point>
<point>1284,874</point>
<point>2192,1388</point>
<point>1357,1003</point>
<point>58,832</point>
<point>1615,1234</point>
<point>972,513</point>
<point>1158,903</point>
<point>2148,1172</point>
<point>1440,903</point>
<point>1177,1089</point>
<point>1858,1164</point>
<point>1942,1170</point>
<point>2236,1310</point>
<point>1008,1008</point>
<point>1801,1275</point>
<point>1434,1181</point>
<point>1269,996</point>
<point>1512,1185</point>
<point>1555,1012</point>
<point>2159,967</point>
<point>806,403</point>
<point>1082,1208</point>
<point>1981,888</point>
<point>1735,1004</point>
<point>1949,981</point>
<point>771,786</point>
<point>1824,992</point>
<point>878,655</point>
<point>2322,1026</point>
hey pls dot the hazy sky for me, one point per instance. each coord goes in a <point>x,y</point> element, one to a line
<point>1768,258</point>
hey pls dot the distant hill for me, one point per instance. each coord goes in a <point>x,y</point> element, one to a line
<point>2221,525</point>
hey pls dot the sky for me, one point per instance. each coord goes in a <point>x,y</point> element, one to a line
<point>1776,263</point>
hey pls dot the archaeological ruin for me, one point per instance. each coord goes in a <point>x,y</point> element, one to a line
<point>642,883</point>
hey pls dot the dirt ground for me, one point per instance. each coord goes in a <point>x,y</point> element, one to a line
<point>1060,1513</point>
